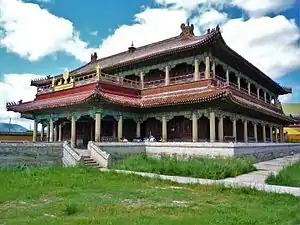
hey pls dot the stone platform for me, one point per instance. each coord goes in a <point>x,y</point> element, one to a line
<point>261,151</point>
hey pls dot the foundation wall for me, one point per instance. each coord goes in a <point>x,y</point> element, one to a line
<point>261,151</point>
<point>30,154</point>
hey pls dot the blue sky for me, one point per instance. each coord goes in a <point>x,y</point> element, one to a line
<point>42,37</point>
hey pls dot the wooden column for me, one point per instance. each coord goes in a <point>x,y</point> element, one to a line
<point>249,88</point>
<point>264,133</point>
<point>164,129</point>
<point>255,132</point>
<point>167,76</point>
<point>271,134</point>
<point>120,128</point>
<point>42,132</point>
<point>239,82</point>
<point>227,76</point>
<point>207,67</point>
<point>138,129</point>
<point>142,79</point>
<point>97,127</point>
<point>245,131</point>
<point>73,131</point>
<point>34,135</point>
<point>212,126</point>
<point>221,129</point>
<point>60,131</point>
<point>234,129</point>
<point>265,96</point>
<point>51,138</point>
<point>194,127</point>
<point>196,73</point>
<point>276,134</point>
<point>258,93</point>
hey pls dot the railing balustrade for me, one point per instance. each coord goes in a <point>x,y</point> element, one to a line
<point>156,83</point>
<point>181,78</point>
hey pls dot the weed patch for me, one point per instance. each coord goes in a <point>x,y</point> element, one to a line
<point>211,168</point>
<point>288,176</point>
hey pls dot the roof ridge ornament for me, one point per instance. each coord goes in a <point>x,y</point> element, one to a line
<point>187,30</point>
<point>131,48</point>
<point>213,30</point>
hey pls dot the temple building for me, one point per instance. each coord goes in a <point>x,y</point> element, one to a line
<point>292,132</point>
<point>186,88</point>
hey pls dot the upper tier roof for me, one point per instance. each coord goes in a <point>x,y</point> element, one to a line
<point>183,42</point>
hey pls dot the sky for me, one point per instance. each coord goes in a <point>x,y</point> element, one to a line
<point>46,37</point>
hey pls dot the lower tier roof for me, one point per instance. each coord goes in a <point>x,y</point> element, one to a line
<point>192,95</point>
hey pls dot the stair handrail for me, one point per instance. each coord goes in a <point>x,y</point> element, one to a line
<point>101,157</point>
<point>70,155</point>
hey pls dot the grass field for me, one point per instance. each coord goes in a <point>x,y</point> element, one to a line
<point>288,176</point>
<point>81,195</point>
<point>211,168</point>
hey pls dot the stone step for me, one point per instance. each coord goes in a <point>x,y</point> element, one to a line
<point>88,161</point>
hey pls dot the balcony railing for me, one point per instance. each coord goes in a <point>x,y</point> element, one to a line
<point>182,78</point>
<point>252,97</point>
<point>120,81</point>
<point>154,83</point>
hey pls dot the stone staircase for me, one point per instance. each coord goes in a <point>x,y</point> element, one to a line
<point>88,161</point>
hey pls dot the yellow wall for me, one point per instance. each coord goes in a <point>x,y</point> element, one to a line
<point>293,134</point>
<point>15,137</point>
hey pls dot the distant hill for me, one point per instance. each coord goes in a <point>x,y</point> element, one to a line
<point>6,127</point>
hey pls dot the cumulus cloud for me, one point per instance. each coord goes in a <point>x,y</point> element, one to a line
<point>257,8</point>
<point>150,25</point>
<point>33,32</point>
<point>269,43</point>
<point>15,87</point>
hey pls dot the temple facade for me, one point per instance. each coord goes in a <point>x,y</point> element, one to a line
<point>185,88</point>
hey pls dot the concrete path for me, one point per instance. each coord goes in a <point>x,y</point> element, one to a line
<point>254,179</point>
<point>264,169</point>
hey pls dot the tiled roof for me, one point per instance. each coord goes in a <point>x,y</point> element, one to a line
<point>169,98</point>
<point>176,97</point>
<point>258,107</point>
<point>51,102</point>
<point>146,52</point>
<point>143,53</point>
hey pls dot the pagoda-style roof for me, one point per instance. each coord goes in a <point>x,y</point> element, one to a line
<point>185,93</point>
<point>184,42</point>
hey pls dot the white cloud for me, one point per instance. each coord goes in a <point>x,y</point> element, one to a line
<point>15,87</point>
<point>269,43</point>
<point>151,25</point>
<point>285,98</point>
<point>257,8</point>
<point>210,18</point>
<point>34,32</point>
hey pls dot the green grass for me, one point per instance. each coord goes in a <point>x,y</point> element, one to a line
<point>211,168</point>
<point>288,176</point>
<point>82,196</point>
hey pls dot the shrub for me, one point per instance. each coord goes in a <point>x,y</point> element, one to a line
<point>71,208</point>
